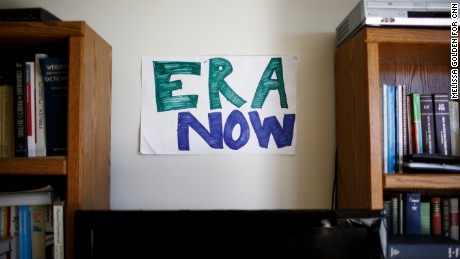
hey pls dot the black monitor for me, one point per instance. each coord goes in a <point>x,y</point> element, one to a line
<point>229,234</point>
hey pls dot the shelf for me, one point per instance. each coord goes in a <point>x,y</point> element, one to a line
<point>34,165</point>
<point>422,181</point>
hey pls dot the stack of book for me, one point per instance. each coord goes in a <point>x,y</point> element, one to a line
<point>417,124</point>
<point>31,223</point>
<point>422,226</point>
<point>33,110</point>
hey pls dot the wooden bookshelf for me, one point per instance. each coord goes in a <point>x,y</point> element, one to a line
<point>84,174</point>
<point>416,57</point>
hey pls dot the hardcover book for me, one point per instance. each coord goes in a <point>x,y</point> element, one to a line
<point>442,124</point>
<point>427,116</point>
<point>55,74</point>
<point>454,128</point>
<point>20,138</point>
<point>29,82</point>
<point>412,213</point>
<point>6,119</point>
<point>416,123</point>
<point>422,246</point>
<point>454,228</point>
<point>40,107</point>
<point>425,218</point>
<point>436,226</point>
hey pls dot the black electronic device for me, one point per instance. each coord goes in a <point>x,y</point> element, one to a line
<point>229,234</point>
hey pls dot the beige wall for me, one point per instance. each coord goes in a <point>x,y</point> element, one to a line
<point>301,28</point>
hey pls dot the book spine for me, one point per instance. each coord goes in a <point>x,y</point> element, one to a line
<point>416,123</point>
<point>401,214</point>
<point>436,220</point>
<point>20,139</point>
<point>384,94</point>
<point>49,232</point>
<point>40,106</point>
<point>391,130</point>
<point>412,213</point>
<point>37,214</point>
<point>446,217</point>
<point>394,216</point>
<point>387,209</point>
<point>454,128</point>
<point>6,120</point>
<point>427,116</point>
<point>442,125</point>
<point>421,251</point>
<point>14,232</point>
<point>30,110</point>
<point>425,218</point>
<point>58,216</point>
<point>404,121</point>
<point>399,128</point>
<point>454,228</point>
<point>409,134</point>
<point>55,75</point>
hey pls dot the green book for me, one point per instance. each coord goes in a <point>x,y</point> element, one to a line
<point>425,222</point>
<point>416,123</point>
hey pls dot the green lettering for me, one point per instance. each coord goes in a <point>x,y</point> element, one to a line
<point>219,69</point>
<point>164,87</point>
<point>267,83</point>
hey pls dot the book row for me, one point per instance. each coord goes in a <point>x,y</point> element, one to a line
<point>415,124</point>
<point>34,229</point>
<point>33,110</point>
<point>415,214</point>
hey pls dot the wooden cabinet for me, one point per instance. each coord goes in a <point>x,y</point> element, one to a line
<point>418,58</point>
<point>82,177</point>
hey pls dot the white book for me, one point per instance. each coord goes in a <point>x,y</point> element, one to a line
<point>40,114</point>
<point>59,235</point>
<point>384,128</point>
<point>14,232</point>
<point>30,110</point>
<point>43,196</point>
<point>454,228</point>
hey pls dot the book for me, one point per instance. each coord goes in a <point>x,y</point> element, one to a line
<point>416,123</point>
<point>20,130</point>
<point>436,219</point>
<point>421,167</point>
<point>6,119</point>
<point>442,124</point>
<point>5,245</point>
<point>394,215</point>
<point>49,232</point>
<point>405,133</point>
<point>399,128</point>
<point>388,215</point>
<point>425,218</point>
<point>409,125</point>
<point>454,127</point>
<point>454,228</point>
<point>58,219</point>
<point>427,116</point>
<point>445,216</point>
<point>25,242</point>
<point>14,232</point>
<point>422,246</point>
<point>56,76</point>
<point>29,81</point>
<point>412,213</point>
<point>37,217</point>
<point>384,94</point>
<point>4,226</point>
<point>390,122</point>
<point>40,115</point>
<point>43,196</point>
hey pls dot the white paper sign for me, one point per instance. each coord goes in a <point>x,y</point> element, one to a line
<point>218,105</point>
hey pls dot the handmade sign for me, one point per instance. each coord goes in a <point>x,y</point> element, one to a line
<point>218,105</point>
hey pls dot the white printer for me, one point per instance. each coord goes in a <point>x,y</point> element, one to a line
<point>432,13</point>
